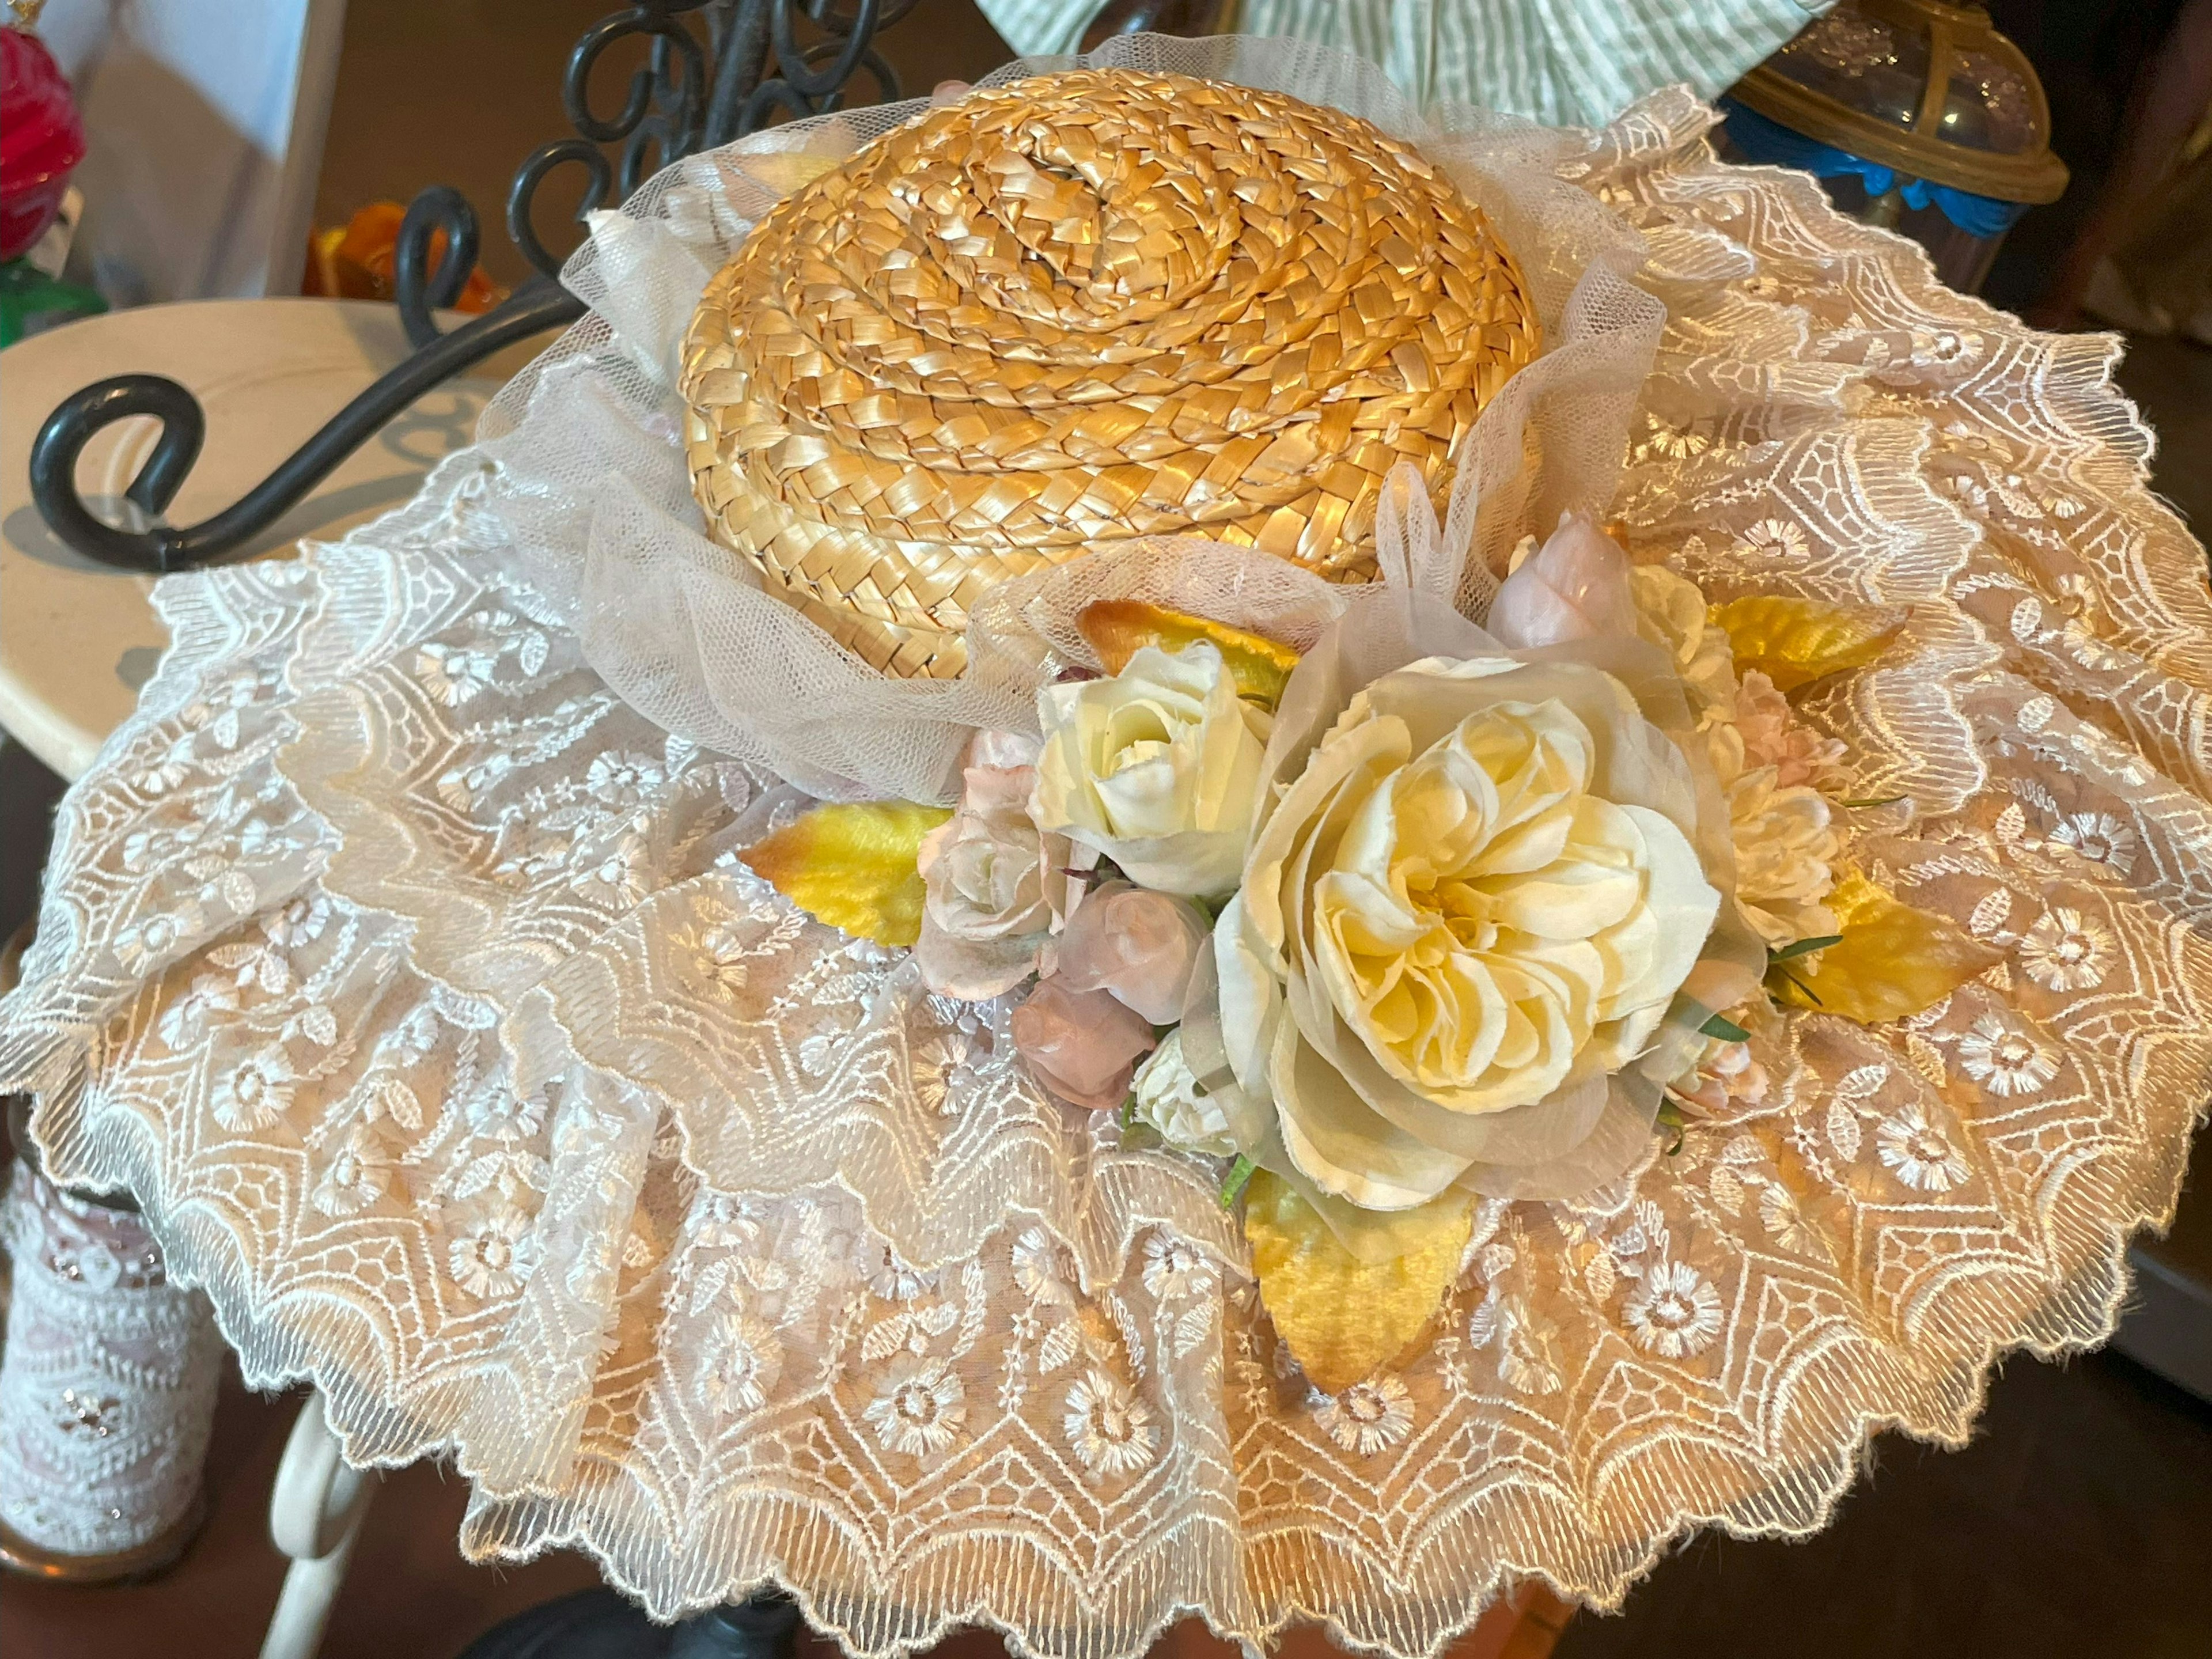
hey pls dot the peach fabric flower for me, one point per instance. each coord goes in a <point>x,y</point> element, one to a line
<point>1135,943</point>
<point>1082,1045</point>
<point>1727,1077</point>
<point>1773,735</point>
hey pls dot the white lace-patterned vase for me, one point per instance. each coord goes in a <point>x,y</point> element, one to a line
<point>107,1389</point>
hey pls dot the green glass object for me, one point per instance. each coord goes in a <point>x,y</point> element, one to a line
<point>29,300</point>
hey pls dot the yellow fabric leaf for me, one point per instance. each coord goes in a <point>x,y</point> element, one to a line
<point>1118,628</point>
<point>852,864</point>
<point>1893,959</point>
<point>1795,642</point>
<point>1344,1316</point>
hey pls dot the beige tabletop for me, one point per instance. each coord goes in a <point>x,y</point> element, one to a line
<point>78,639</point>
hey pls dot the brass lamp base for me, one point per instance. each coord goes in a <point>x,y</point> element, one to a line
<point>1818,85</point>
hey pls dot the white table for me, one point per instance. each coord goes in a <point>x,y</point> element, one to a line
<point>78,639</point>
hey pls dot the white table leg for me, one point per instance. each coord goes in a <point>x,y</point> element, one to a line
<point>314,1516</point>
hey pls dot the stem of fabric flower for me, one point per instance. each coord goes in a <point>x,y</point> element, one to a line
<point>1233,1184</point>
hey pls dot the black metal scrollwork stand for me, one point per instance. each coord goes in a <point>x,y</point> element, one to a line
<point>690,93</point>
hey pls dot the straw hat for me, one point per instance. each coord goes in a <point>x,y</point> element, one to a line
<point>1079,309</point>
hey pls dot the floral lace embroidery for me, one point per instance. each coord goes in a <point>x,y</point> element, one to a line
<point>409,979</point>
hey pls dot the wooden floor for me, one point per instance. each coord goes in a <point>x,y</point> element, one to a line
<point>2077,1526</point>
<point>409,1593</point>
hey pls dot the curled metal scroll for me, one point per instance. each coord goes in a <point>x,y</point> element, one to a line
<point>685,95</point>
<point>162,549</point>
<point>418,286</point>
<point>797,88</point>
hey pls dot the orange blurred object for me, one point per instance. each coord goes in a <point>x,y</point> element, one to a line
<point>354,261</point>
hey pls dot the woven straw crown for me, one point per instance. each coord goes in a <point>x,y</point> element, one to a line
<point>1077,310</point>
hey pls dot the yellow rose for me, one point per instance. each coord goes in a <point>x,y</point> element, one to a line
<point>1157,768</point>
<point>1476,900</point>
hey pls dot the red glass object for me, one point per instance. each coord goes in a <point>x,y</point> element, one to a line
<point>40,140</point>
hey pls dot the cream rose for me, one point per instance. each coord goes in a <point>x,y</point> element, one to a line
<point>1157,768</point>
<point>1670,613</point>
<point>1475,901</point>
<point>995,885</point>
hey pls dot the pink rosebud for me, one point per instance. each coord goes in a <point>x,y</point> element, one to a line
<point>1082,1045</point>
<point>1575,587</point>
<point>1136,944</point>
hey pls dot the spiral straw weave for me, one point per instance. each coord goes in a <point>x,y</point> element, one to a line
<point>1079,309</point>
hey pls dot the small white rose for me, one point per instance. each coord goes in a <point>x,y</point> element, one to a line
<point>1169,1099</point>
<point>996,887</point>
<point>1157,768</point>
